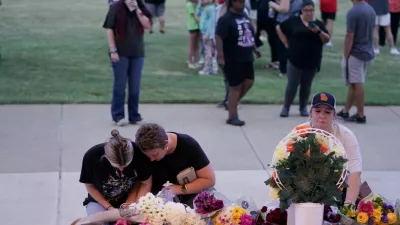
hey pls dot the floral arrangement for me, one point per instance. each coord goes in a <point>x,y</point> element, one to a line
<point>308,166</point>
<point>206,203</point>
<point>156,212</point>
<point>374,212</point>
<point>331,217</point>
<point>233,215</point>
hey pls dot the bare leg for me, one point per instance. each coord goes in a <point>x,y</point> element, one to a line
<point>246,86</point>
<point>376,37</point>
<point>329,26</point>
<point>359,98</point>
<point>350,99</point>
<point>196,47</point>
<point>192,39</point>
<point>162,24</point>
<point>233,100</point>
<point>389,36</point>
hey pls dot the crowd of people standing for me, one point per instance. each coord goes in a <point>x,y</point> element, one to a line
<point>226,35</point>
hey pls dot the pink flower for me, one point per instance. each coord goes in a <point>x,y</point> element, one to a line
<point>366,207</point>
<point>246,219</point>
<point>123,222</point>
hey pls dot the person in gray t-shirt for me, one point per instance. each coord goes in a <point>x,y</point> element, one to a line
<point>358,54</point>
<point>381,8</point>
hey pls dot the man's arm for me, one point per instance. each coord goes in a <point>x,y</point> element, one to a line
<point>283,6</point>
<point>145,187</point>
<point>351,22</point>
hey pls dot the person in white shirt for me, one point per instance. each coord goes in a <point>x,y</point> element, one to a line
<point>322,116</point>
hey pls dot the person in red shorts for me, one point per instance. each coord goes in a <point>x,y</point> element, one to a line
<point>328,10</point>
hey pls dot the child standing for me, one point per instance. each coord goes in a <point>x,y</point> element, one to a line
<point>206,27</point>
<point>194,34</point>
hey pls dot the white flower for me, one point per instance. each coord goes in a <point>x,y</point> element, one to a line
<point>273,193</point>
<point>192,218</point>
<point>175,213</point>
<point>279,153</point>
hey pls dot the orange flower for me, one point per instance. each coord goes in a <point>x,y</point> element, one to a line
<point>308,153</point>
<point>303,133</point>
<point>289,146</point>
<point>274,174</point>
<point>324,148</point>
<point>340,188</point>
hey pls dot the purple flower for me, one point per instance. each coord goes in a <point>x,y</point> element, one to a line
<point>205,203</point>
<point>385,206</point>
<point>385,219</point>
<point>390,208</point>
<point>371,221</point>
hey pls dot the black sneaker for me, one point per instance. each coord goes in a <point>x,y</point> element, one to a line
<point>235,122</point>
<point>135,121</point>
<point>284,112</point>
<point>304,112</point>
<point>223,104</point>
<point>357,118</point>
<point>343,114</point>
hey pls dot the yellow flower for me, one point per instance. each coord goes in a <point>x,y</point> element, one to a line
<point>236,210</point>
<point>377,215</point>
<point>392,218</point>
<point>351,213</point>
<point>273,193</point>
<point>279,153</point>
<point>362,217</point>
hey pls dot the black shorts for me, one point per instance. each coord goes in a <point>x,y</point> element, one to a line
<point>194,31</point>
<point>328,15</point>
<point>237,73</point>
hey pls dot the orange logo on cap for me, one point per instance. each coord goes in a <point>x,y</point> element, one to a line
<point>323,97</point>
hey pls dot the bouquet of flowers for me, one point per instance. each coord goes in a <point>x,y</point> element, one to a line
<point>375,211</point>
<point>331,217</point>
<point>205,203</point>
<point>156,212</point>
<point>233,215</point>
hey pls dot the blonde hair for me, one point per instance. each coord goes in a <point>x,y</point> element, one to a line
<point>118,150</point>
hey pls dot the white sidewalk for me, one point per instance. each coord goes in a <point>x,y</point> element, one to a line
<point>42,148</point>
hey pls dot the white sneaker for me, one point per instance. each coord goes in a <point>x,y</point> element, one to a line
<point>377,51</point>
<point>394,51</point>
<point>329,44</point>
<point>202,72</point>
<point>121,122</point>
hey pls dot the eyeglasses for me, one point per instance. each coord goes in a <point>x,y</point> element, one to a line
<point>308,10</point>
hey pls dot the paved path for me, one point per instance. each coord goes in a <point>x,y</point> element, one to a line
<point>42,147</point>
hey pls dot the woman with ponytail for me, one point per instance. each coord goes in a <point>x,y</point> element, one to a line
<point>125,24</point>
<point>111,170</point>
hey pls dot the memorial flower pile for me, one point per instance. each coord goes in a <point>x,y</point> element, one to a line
<point>233,215</point>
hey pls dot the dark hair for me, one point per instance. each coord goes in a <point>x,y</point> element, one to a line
<point>307,3</point>
<point>118,149</point>
<point>150,136</point>
<point>121,18</point>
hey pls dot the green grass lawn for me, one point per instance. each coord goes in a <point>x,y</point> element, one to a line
<point>56,52</point>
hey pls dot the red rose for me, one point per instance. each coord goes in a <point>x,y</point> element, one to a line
<point>264,209</point>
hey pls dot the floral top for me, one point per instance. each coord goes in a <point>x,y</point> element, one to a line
<point>394,6</point>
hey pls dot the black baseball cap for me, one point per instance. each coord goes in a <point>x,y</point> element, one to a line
<point>324,98</point>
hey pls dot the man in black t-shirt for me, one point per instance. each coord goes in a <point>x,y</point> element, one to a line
<point>235,46</point>
<point>111,172</point>
<point>171,153</point>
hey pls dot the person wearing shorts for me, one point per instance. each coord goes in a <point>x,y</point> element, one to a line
<point>235,46</point>
<point>381,8</point>
<point>358,54</point>
<point>157,10</point>
<point>328,10</point>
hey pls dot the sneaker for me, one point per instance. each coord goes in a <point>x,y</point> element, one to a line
<point>282,74</point>
<point>329,44</point>
<point>235,122</point>
<point>202,72</point>
<point>394,51</point>
<point>304,112</point>
<point>357,118</point>
<point>284,112</point>
<point>192,66</point>
<point>223,104</point>
<point>137,120</point>
<point>122,122</point>
<point>342,114</point>
<point>377,51</point>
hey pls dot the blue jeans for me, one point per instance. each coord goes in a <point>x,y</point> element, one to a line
<point>127,69</point>
<point>93,208</point>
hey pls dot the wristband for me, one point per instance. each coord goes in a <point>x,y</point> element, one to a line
<point>109,207</point>
<point>113,50</point>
